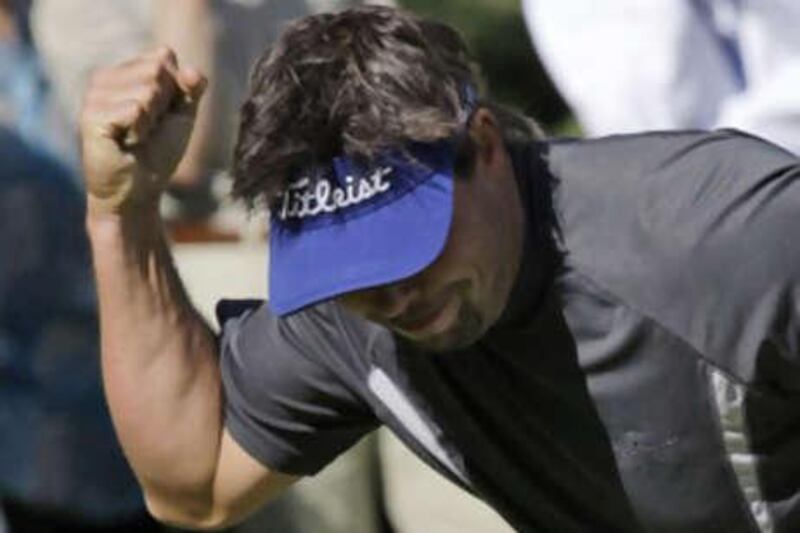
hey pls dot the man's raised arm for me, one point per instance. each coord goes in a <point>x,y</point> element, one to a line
<point>159,358</point>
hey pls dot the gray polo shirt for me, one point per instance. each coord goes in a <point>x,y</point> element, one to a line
<point>645,376</point>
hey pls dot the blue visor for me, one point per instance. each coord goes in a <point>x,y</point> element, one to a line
<point>353,225</point>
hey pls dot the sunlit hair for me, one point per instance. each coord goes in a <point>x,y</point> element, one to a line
<point>355,83</point>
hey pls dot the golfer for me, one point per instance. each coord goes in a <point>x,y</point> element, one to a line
<point>597,335</point>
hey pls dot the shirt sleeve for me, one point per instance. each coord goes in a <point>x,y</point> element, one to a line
<point>285,404</point>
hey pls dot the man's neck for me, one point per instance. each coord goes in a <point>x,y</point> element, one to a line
<point>538,259</point>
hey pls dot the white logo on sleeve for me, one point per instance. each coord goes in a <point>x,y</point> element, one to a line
<point>403,409</point>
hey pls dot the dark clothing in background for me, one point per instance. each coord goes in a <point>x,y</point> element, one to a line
<point>58,451</point>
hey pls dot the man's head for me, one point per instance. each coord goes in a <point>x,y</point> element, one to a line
<point>355,128</point>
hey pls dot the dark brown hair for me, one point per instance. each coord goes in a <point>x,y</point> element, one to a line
<point>353,83</point>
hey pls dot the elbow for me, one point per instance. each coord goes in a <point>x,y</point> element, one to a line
<point>188,514</point>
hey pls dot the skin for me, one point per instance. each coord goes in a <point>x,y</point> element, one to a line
<point>159,358</point>
<point>451,303</point>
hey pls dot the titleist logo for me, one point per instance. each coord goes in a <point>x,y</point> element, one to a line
<point>303,200</point>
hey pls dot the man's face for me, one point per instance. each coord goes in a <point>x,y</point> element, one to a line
<point>451,303</point>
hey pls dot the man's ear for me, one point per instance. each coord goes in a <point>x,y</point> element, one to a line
<point>484,130</point>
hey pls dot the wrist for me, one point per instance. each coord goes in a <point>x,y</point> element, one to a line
<point>105,218</point>
<point>123,203</point>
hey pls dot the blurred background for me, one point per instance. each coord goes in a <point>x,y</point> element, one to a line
<point>61,469</point>
<point>624,65</point>
<point>496,33</point>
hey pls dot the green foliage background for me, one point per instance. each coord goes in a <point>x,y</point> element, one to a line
<point>496,34</point>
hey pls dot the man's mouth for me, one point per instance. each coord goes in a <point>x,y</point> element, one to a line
<point>428,321</point>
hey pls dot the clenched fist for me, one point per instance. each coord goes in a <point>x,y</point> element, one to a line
<point>136,121</point>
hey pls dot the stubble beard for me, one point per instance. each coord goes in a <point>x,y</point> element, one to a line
<point>466,330</point>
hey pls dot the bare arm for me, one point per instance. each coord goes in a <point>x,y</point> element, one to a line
<point>159,358</point>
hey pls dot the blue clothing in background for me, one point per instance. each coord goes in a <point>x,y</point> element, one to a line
<point>57,446</point>
<point>25,105</point>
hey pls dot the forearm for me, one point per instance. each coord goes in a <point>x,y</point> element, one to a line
<point>159,360</point>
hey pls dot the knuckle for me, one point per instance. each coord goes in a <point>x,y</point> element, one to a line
<point>91,105</point>
<point>91,123</point>
<point>129,111</point>
<point>154,90</point>
<point>147,97</point>
<point>147,104</point>
<point>164,54</point>
<point>137,108</point>
<point>155,72</point>
<point>94,96</point>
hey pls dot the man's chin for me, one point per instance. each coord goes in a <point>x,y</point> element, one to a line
<point>442,345</point>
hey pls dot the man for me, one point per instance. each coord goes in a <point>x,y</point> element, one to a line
<point>596,335</point>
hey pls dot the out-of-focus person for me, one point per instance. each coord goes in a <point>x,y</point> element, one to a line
<point>61,468</point>
<point>23,100</point>
<point>628,65</point>
<point>60,465</point>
